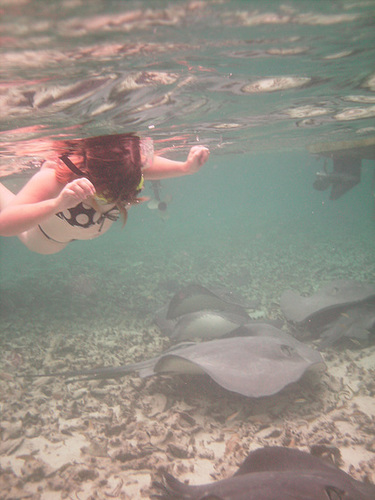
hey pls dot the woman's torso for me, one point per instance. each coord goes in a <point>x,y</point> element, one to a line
<point>87,220</point>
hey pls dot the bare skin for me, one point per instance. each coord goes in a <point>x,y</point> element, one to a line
<point>43,196</point>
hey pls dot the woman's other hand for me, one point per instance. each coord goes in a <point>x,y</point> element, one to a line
<point>197,157</point>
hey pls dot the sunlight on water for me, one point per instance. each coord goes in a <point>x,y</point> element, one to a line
<point>238,76</point>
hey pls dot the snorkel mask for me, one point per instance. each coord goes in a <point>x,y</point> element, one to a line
<point>102,199</point>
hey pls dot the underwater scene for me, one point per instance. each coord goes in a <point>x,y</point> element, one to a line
<point>225,336</point>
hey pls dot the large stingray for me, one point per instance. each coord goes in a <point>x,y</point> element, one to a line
<point>251,366</point>
<point>274,473</point>
<point>343,308</point>
<point>194,297</point>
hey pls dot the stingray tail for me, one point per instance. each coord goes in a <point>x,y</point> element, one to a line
<point>95,373</point>
<point>145,369</point>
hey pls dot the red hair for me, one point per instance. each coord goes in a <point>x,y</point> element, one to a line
<point>111,162</point>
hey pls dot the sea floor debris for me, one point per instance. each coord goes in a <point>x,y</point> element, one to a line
<point>112,439</point>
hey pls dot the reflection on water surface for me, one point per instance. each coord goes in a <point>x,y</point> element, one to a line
<point>238,76</point>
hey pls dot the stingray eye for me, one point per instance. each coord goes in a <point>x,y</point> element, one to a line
<point>287,350</point>
<point>334,493</point>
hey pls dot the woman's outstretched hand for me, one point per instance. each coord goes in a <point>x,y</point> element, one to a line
<point>197,157</point>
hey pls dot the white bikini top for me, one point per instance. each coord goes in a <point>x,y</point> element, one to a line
<point>81,222</point>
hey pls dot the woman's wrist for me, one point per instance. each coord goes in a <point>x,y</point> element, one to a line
<point>186,168</point>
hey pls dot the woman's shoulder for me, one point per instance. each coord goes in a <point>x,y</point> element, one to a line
<point>51,164</point>
<point>51,169</point>
<point>41,186</point>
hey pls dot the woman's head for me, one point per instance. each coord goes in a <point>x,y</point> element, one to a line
<point>112,163</point>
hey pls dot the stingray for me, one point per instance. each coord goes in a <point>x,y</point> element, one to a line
<point>275,473</point>
<point>325,310</point>
<point>204,325</point>
<point>194,297</point>
<point>332,298</point>
<point>250,366</point>
<point>208,325</point>
<point>356,324</point>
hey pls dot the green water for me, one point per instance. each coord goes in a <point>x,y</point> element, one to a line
<point>258,230</point>
<point>181,73</point>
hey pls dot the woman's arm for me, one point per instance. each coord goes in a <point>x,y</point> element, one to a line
<point>163,168</point>
<point>39,199</point>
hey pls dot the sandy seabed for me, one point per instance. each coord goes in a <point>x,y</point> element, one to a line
<point>112,438</point>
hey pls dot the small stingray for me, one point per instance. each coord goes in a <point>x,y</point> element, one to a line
<point>251,366</point>
<point>324,310</point>
<point>193,298</point>
<point>332,298</point>
<point>356,324</point>
<point>207,325</point>
<point>274,473</point>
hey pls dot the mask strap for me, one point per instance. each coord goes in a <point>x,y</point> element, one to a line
<point>68,162</point>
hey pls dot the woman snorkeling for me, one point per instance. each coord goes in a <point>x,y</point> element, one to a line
<point>90,184</point>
